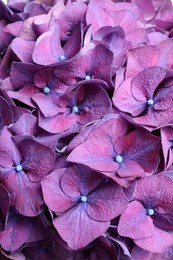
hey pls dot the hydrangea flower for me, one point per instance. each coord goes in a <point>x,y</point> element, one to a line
<point>123,158</point>
<point>151,207</point>
<point>78,196</point>
<point>22,166</point>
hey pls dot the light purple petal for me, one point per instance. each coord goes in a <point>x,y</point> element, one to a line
<point>77,228</point>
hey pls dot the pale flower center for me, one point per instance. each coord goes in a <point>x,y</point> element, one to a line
<point>83,198</point>
<point>18,168</point>
<point>46,90</point>
<point>75,109</point>
<point>150,102</point>
<point>119,159</point>
<point>62,58</point>
<point>87,77</point>
<point>150,212</point>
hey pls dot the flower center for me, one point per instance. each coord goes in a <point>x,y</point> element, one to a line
<point>119,159</point>
<point>83,198</point>
<point>87,77</point>
<point>62,58</point>
<point>150,212</point>
<point>150,102</point>
<point>46,90</point>
<point>18,168</point>
<point>75,109</point>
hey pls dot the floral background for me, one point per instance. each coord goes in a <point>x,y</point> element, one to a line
<point>86,129</point>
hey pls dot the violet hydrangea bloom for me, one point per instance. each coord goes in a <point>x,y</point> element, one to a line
<point>35,85</point>
<point>79,106</point>
<point>83,201</point>
<point>22,166</point>
<point>123,158</point>
<point>148,217</point>
<point>147,98</point>
<point>88,65</point>
<point>50,43</point>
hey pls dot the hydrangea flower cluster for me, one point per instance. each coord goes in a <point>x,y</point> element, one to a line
<point>86,129</point>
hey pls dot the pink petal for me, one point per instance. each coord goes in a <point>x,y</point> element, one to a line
<point>159,242</point>
<point>96,153</point>
<point>75,226</point>
<point>106,202</point>
<point>134,220</point>
<point>79,180</point>
<point>38,159</point>
<point>53,195</point>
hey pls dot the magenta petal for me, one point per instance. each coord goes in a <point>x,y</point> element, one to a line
<point>124,100</point>
<point>25,195</point>
<point>53,195</point>
<point>146,82</point>
<point>9,154</point>
<point>159,242</point>
<point>107,202</point>
<point>38,159</point>
<point>91,109</point>
<point>58,123</point>
<point>141,58</point>
<point>22,74</point>
<point>43,45</point>
<point>48,104</point>
<point>74,43</point>
<point>147,8</point>
<point>79,180</point>
<point>134,220</point>
<point>23,49</point>
<point>6,114</point>
<point>16,233</point>
<point>147,187</point>
<point>96,153</point>
<point>144,153</point>
<point>77,228</point>
<point>130,169</point>
<point>25,125</point>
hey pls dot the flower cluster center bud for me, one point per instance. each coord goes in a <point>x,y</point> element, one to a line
<point>150,102</point>
<point>83,198</point>
<point>18,168</point>
<point>150,212</point>
<point>87,77</point>
<point>46,90</point>
<point>62,58</point>
<point>119,159</point>
<point>75,109</point>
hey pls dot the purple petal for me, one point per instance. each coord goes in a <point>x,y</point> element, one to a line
<point>78,233</point>
<point>23,49</point>
<point>9,154</point>
<point>78,181</point>
<point>106,202</point>
<point>134,220</point>
<point>146,188</point>
<point>38,160</point>
<point>18,227</point>
<point>96,153</point>
<point>146,82</point>
<point>26,196</point>
<point>141,58</point>
<point>58,123</point>
<point>124,100</point>
<point>159,242</point>
<point>25,125</point>
<point>53,195</point>
<point>6,114</point>
<point>145,153</point>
